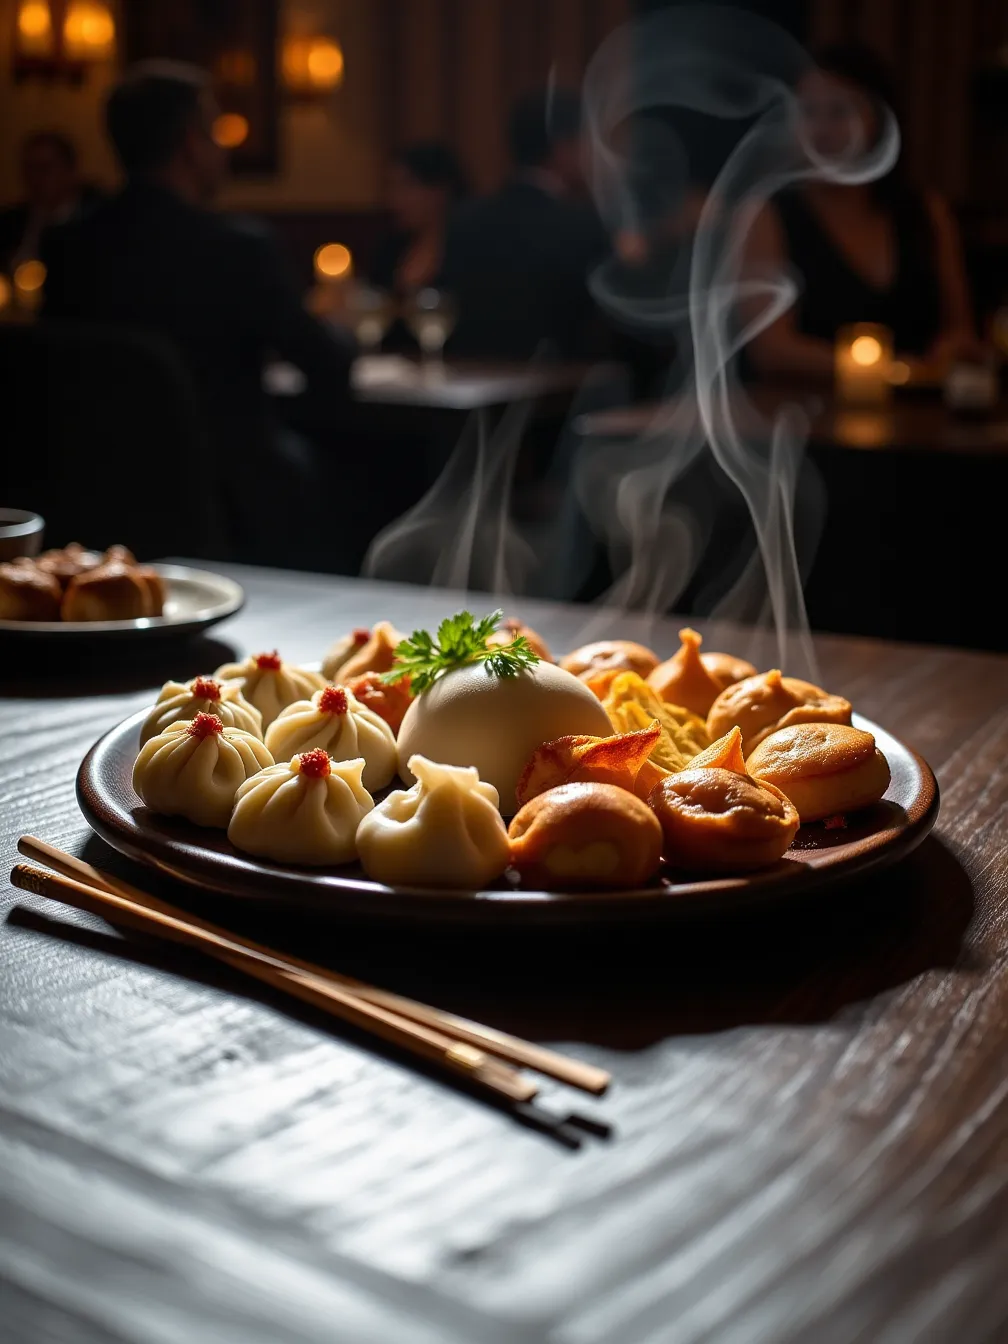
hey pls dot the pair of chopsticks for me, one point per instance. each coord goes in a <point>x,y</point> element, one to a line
<point>484,1057</point>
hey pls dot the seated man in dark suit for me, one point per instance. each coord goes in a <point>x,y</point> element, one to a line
<point>53,194</point>
<point>517,262</point>
<point>156,257</point>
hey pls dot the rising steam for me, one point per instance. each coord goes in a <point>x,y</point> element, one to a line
<point>637,496</point>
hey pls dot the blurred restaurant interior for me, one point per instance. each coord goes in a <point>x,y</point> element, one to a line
<point>381,273</point>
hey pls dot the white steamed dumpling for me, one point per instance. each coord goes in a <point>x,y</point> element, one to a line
<point>270,684</point>
<point>446,831</point>
<point>181,701</point>
<point>306,811</point>
<point>194,769</point>
<point>336,721</point>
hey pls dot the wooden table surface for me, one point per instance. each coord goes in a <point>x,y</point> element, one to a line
<point>809,1119</point>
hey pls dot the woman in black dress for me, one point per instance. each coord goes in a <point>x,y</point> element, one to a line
<point>875,252</point>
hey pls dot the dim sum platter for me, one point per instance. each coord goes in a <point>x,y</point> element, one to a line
<point>818,858</point>
<point>195,599</point>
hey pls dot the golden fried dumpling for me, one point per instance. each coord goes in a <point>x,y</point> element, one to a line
<point>719,821</point>
<point>585,835</point>
<point>376,653</point>
<point>580,759</point>
<point>334,720</point>
<point>67,562</point>
<point>111,592</point>
<point>305,811</point>
<point>446,831</point>
<point>768,701</point>
<point>181,701</point>
<point>193,769</point>
<point>606,655</point>
<point>510,630</point>
<point>725,668</point>
<point>824,768</point>
<point>389,699</point>
<point>270,684</point>
<point>684,679</point>
<point>28,594</point>
<point>724,754</point>
<point>632,704</point>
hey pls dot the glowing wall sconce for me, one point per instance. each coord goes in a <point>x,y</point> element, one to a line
<point>312,67</point>
<point>59,39</point>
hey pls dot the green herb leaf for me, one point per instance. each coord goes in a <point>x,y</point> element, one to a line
<point>461,640</point>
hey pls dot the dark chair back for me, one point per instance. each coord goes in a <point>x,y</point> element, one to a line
<point>105,438</point>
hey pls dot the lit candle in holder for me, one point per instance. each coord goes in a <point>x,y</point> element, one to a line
<point>862,362</point>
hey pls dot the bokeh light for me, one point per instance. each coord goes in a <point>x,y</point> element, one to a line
<point>312,65</point>
<point>29,277</point>
<point>866,350</point>
<point>88,31</point>
<point>332,261</point>
<point>230,130</point>
<point>34,28</point>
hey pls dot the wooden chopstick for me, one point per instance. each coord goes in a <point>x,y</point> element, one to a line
<point>499,1043</point>
<point>175,927</point>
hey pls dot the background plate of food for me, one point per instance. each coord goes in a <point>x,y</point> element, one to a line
<point>75,593</point>
<point>466,776</point>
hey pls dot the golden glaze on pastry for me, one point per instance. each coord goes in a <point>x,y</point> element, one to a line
<point>824,768</point>
<point>724,754</point>
<point>605,655</point>
<point>768,701</point>
<point>67,562</point>
<point>377,654</point>
<point>112,592</point>
<point>28,594</point>
<point>510,630</point>
<point>632,704</point>
<point>718,821</point>
<point>726,669</point>
<point>580,759</point>
<point>684,679</point>
<point>391,701</point>
<point>585,835</point>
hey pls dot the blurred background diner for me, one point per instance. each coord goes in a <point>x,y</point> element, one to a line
<point>280,280</point>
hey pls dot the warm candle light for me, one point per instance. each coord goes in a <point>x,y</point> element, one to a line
<point>88,31</point>
<point>862,363</point>
<point>6,293</point>
<point>312,65</point>
<point>29,278</point>
<point>34,28</point>
<point>230,130</point>
<point>333,261</point>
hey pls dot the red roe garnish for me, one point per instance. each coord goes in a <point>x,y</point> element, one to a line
<point>205,688</point>
<point>205,725</point>
<point>333,700</point>
<point>314,763</point>
<point>268,662</point>
<point>361,636</point>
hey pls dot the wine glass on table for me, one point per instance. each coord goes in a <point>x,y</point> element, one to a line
<point>431,316</point>
<point>369,311</point>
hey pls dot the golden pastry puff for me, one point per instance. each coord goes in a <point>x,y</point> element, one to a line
<point>724,754</point>
<point>155,587</point>
<point>718,821</point>
<point>376,654</point>
<point>605,655</point>
<point>113,592</point>
<point>585,835</point>
<point>683,679</point>
<point>824,768</point>
<point>28,594</point>
<point>581,759</point>
<point>631,704</point>
<point>511,630</point>
<point>726,669</point>
<point>761,704</point>
<point>66,563</point>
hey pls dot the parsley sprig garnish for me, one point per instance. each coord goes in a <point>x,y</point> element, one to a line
<point>461,640</point>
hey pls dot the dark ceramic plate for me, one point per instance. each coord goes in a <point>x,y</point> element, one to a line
<point>195,600</point>
<point>817,859</point>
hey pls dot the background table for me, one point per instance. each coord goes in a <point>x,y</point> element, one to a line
<point>810,1126</point>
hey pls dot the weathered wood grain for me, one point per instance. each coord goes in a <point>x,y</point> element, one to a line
<point>810,1108</point>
